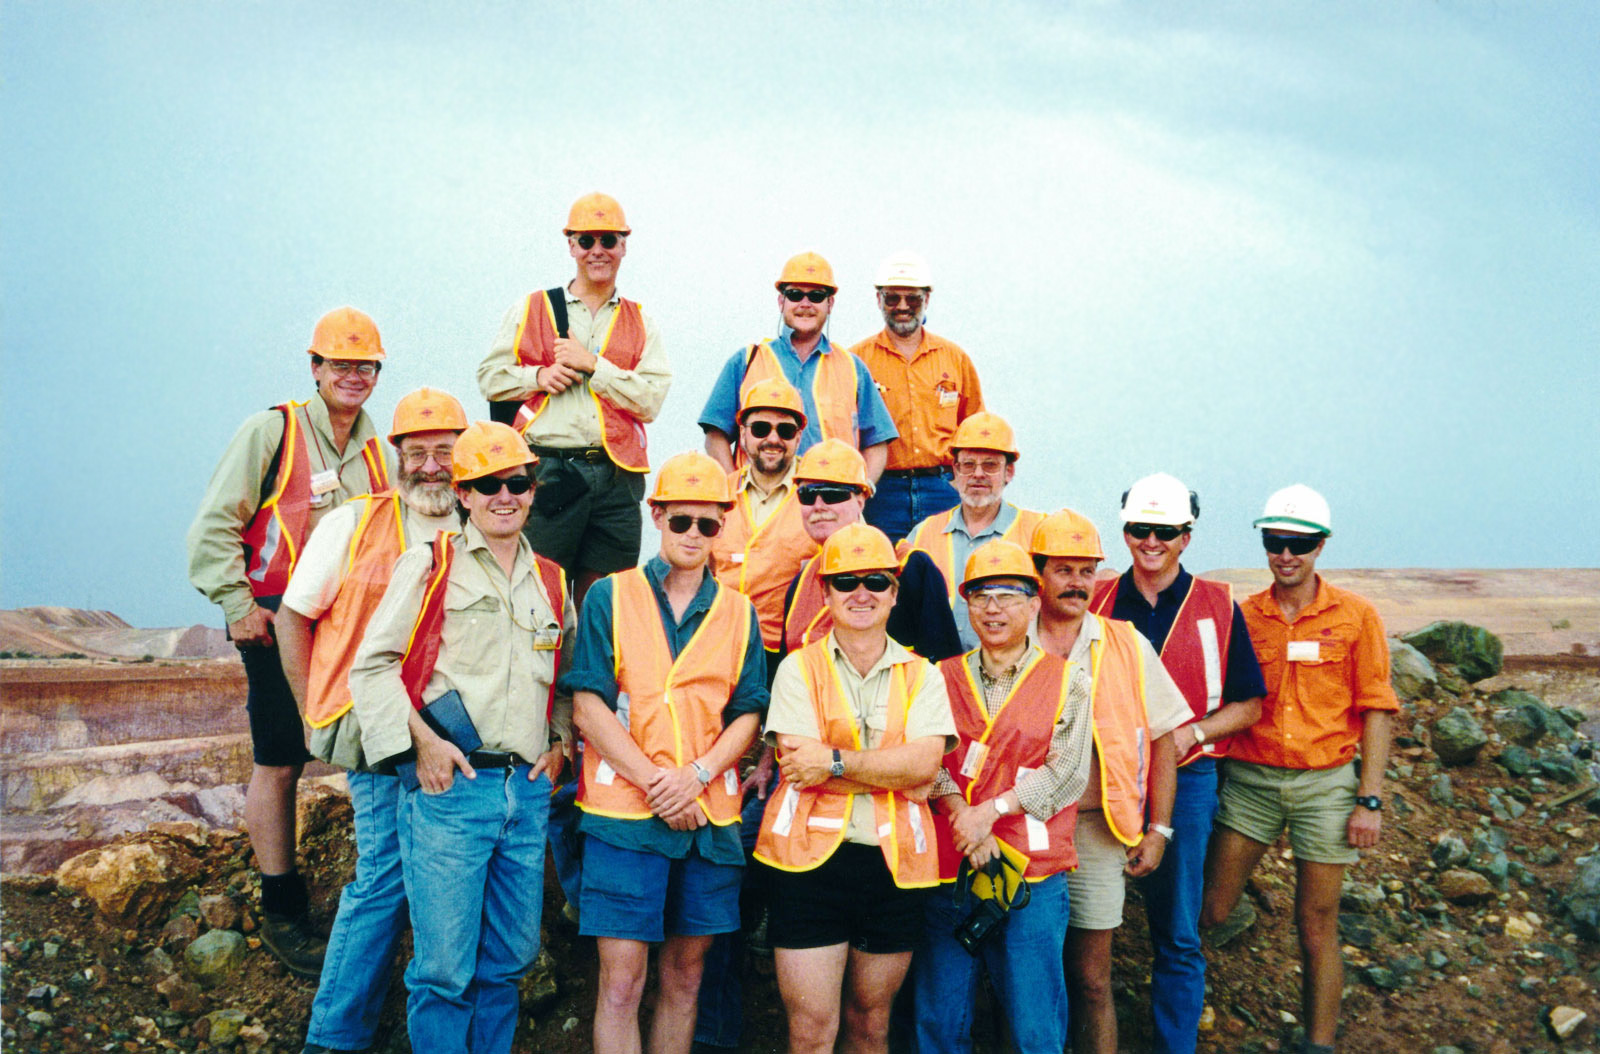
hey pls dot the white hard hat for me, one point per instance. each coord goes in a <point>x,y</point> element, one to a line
<point>905,269</point>
<point>1298,509</point>
<point>1160,499</point>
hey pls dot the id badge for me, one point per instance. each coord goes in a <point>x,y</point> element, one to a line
<point>948,397</point>
<point>324,482</point>
<point>970,764</point>
<point>735,558</point>
<point>1305,651</point>
<point>547,639</point>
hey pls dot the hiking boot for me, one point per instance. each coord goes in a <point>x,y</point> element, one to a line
<point>290,938</point>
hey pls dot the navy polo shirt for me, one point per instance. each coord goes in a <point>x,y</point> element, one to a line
<point>1241,678</point>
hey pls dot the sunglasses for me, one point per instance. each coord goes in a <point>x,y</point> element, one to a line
<point>816,296</point>
<point>489,486</point>
<point>876,582</point>
<point>681,524</point>
<point>607,240</point>
<point>1298,544</point>
<point>1141,531</point>
<point>1003,597</point>
<point>810,494</point>
<point>787,430</point>
<point>912,300</point>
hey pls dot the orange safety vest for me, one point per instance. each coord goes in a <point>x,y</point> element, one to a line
<point>833,388</point>
<point>802,828</point>
<point>932,538</point>
<point>761,562</point>
<point>275,534</point>
<point>991,754</point>
<point>674,705</point>
<point>1195,652</point>
<point>808,618</point>
<point>422,648</point>
<point>623,435</point>
<point>1121,728</point>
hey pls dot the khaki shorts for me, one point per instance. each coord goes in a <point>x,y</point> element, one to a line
<point>1315,804</point>
<point>1097,889</point>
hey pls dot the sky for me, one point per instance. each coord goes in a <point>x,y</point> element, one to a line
<point>1350,245</point>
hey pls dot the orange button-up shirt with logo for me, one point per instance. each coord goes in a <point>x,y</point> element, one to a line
<point>1323,671</point>
<point>927,395</point>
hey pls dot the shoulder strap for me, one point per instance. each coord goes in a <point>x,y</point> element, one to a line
<point>269,481</point>
<point>558,308</point>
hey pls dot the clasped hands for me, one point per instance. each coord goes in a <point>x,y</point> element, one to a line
<point>572,361</point>
<point>671,795</point>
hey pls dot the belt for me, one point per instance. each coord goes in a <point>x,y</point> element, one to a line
<point>494,759</point>
<point>576,453</point>
<point>931,470</point>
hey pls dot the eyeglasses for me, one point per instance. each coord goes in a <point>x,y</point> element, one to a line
<point>418,458</point>
<point>1141,531</point>
<point>913,300</point>
<point>1298,544</point>
<point>1003,597</point>
<point>787,430</point>
<point>709,528</point>
<point>607,240</point>
<point>876,582</point>
<point>989,466</point>
<point>816,296</point>
<point>489,486</point>
<point>344,367</point>
<point>811,493</point>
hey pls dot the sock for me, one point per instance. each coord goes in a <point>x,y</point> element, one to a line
<point>284,894</point>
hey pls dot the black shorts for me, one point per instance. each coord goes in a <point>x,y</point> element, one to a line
<point>277,737</point>
<point>594,522</point>
<point>850,899</point>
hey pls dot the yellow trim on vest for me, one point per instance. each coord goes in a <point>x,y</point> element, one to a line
<point>433,585</point>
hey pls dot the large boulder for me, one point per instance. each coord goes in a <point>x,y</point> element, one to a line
<point>1410,672</point>
<point>1457,737</point>
<point>132,883</point>
<point>1582,901</point>
<point>1472,650</point>
<point>1528,709</point>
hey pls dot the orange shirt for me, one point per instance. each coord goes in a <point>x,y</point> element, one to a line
<point>1322,671</point>
<point>927,396</point>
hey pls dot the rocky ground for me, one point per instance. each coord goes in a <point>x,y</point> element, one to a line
<point>1474,926</point>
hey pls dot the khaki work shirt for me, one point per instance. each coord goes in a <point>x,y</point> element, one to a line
<point>764,503</point>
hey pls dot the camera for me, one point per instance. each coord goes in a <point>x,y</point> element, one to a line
<point>980,925</point>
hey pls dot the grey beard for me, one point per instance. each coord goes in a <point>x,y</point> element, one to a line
<point>427,500</point>
<point>903,329</point>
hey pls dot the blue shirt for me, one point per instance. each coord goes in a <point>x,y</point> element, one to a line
<point>962,546</point>
<point>594,670</point>
<point>872,418</point>
<point>1241,678</point>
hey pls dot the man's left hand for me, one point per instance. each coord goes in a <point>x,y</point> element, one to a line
<point>672,790</point>
<point>549,763</point>
<point>1364,827</point>
<point>1146,856</point>
<point>573,355</point>
<point>983,852</point>
<point>969,827</point>
<point>808,764</point>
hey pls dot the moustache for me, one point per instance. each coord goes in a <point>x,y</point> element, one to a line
<point>1073,594</point>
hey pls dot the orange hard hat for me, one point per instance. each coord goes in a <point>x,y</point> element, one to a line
<point>487,447</point>
<point>775,393</point>
<point>345,333</point>
<point>806,269</point>
<point>834,461</point>
<point>986,431</point>
<point>596,212</point>
<point>1066,533</point>
<point>427,410</point>
<point>857,547</point>
<point>998,559</point>
<point>692,476</point>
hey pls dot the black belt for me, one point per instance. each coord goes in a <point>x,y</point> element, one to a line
<point>494,759</point>
<point>931,470</point>
<point>577,453</point>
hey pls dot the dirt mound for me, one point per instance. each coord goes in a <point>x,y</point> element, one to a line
<point>56,632</point>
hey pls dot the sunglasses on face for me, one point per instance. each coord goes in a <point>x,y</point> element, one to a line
<point>607,241</point>
<point>1298,544</point>
<point>912,300</point>
<point>787,430</point>
<point>489,486</point>
<point>876,582</point>
<point>681,524</point>
<point>1141,531</point>
<point>816,296</point>
<point>810,494</point>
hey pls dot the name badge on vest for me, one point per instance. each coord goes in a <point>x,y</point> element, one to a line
<point>735,558</point>
<point>547,639</point>
<point>1305,651</point>
<point>324,482</point>
<point>970,764</point>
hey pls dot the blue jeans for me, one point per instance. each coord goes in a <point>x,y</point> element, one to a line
<point>1023,960</point>
<point>474,867</point>
<point>902,502</point>
<point>1172,897</point>
<point>372,915</point>
<point>566,853</point>
<point>720,1022</point>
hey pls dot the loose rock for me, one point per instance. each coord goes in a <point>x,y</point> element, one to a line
<point>130,883</point>
<point>1472,650</point>
<point>219,912</point>
<point>214,955</point>
<point>1457,737</point>
<point>1582,900</point>
<point>1564,1019</point>
<point>225,1025</point>
<point>1465,887</point>
<point>1410,672</point>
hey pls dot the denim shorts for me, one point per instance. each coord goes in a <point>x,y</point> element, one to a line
<point>643,896</point>
<point>1258,801</point>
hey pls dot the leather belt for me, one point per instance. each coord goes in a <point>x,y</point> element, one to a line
<point>596,454</point>
<point>931,470</point>
<point>494,759</point>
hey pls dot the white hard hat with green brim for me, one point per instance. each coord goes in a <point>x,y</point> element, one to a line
<point>1297,509</point>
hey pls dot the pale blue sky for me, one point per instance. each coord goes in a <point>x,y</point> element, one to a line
<point>1352,245</point>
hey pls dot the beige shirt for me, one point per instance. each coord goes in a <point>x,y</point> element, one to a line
<point>792,713</point>
<point>764,503</point>
<point>572,419</point>
<point>216,537</point>
<point>502,662</point>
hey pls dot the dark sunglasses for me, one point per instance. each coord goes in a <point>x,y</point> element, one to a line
<point>816,296</point>
<point>811,493</point>
<point>876,582</point>
<point>787,430</point>
<point>1141,531</point>
<point>607,241</point>
<point>489,486</point>
<point>1299,544</point>
<point>681,524</point>
<point>893,299</point>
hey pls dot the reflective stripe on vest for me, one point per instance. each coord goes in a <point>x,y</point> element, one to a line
<point>833,388</point>
<point>1195,652</point>
<point>932,537</point>
<point>808,618</point>
<point>802,829</point>
<point>992,753</point>
<point>378,541</point>
<point>760,563</point>
<point>1121,728</point>
<point>671,707</point>
<point>623,433</point>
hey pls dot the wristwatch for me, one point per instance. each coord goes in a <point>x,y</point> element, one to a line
<point>1162,829</point>
<point>1371,801</point>
<point>701,773</point>
<point>837,768</point>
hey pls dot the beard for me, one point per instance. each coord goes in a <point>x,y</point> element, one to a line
<point>429,495</point>
<point>771,460</point>
<point>902,327</point>
<point>981,501</point>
